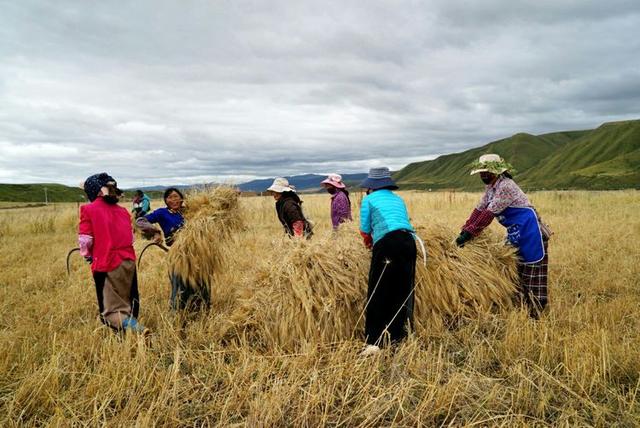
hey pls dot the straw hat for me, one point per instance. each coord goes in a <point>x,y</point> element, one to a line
<point>490,163</point>
<point>335,180</point>
<point>280,185</point>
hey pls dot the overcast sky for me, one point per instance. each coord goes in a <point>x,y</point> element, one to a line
<point>167,92</point>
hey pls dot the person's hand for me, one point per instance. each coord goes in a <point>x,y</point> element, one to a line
<point>157,238</point>
<point>463,238</point>
<point>368,240</point>
<point>88,259</point>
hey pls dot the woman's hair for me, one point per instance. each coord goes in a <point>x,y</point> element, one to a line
<point>169,191</point>
<point>507,174</point>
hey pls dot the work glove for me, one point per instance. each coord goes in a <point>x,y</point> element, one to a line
<point>368,240</point>
<point>463,238</point>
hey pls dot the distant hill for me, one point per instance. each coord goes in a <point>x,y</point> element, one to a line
<point>604,158</point>
<point>303,182</point>
<point>36,193</point>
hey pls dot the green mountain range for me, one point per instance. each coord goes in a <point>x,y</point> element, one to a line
<point>604,158</point>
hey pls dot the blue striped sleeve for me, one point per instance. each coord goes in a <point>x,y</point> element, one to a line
<point>365,216</point>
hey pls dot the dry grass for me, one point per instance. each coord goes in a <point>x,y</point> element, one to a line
<point>199,249</point>
<point>577,366</point>
<point>306,293</point>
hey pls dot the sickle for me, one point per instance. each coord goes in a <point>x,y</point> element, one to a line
<point>68,257</point>
<point>152,244</point>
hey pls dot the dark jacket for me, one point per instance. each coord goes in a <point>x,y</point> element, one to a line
<point>289,210</point>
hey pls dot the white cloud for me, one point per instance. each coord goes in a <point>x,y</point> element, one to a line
<point>175,92</point>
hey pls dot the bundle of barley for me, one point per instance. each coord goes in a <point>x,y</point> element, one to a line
<point>303,291</point>
<point>315,291</point>
<point>198,252</point>
<point>462,282</point>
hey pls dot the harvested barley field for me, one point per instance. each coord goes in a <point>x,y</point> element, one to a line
<point>280,345</point>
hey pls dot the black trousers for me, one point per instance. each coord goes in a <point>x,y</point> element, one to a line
<point>391,288</point>
<point>184,296</point>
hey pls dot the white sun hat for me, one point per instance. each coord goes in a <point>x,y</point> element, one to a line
<point>490,163</point>
<point>281,184</point>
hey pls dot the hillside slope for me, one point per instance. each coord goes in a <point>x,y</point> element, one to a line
<point>523,151</point>
<point>607,157</point>
<point>36,193</point>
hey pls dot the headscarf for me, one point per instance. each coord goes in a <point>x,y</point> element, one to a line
<point>96,182</point>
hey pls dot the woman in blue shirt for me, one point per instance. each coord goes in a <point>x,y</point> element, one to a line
<point>385,227</point>
<point>170,219</point>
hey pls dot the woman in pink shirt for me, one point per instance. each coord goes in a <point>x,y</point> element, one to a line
<point>105,236</point>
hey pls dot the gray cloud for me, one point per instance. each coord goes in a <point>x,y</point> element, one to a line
<point>169,92</point>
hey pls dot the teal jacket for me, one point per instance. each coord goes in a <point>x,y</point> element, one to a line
<point>145,203</point>
<point>382,212</point>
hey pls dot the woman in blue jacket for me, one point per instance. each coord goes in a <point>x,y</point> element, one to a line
<point>385,227</point>
<point>170,219</point>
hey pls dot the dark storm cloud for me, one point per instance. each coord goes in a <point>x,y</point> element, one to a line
<point>163,92</point>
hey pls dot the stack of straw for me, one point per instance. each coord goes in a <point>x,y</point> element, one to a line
<point>306,292</point>
<point>303,290</point>
<point>462,282</point>
<point>211,216</point>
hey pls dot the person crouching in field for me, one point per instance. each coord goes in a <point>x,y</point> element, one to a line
<point>105,237</point>
<point>504,199</point>
<point>386,229</point>
<point>289,209</point>
<point>340,202</point>
<point>170,219</point>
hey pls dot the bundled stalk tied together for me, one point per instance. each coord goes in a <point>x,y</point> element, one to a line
<point>306,292</point>
<point>211,216</point>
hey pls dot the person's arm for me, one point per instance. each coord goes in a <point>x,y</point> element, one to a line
<point>479,219</point>
<point>365,223</point>
<point>298,228</point>
<point>474,215</point>
<point>293,215</point>
<point>85,234</point>
<point>147,228</point>
<point>479,223</point>
<point>342,208</point>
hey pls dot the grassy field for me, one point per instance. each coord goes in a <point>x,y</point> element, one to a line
<point>578,365</point>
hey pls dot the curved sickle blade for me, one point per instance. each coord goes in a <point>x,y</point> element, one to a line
<point>68,257</point>
<point>152,244</point>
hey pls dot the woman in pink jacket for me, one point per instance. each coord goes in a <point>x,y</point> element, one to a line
<point>105,236</point>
